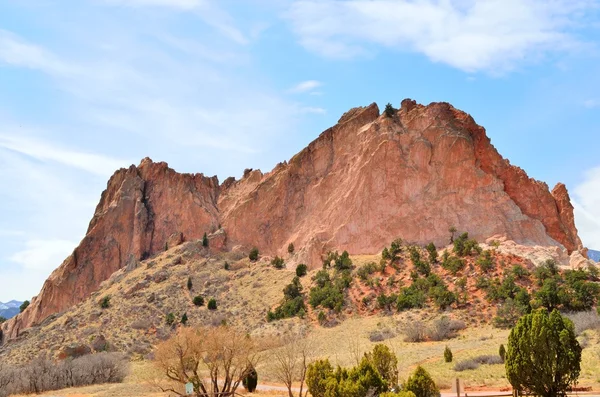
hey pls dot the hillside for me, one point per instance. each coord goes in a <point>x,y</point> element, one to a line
<point>594,255</point>
<point>9,309</point>
<point>358,186</point>
<point>144,304</point>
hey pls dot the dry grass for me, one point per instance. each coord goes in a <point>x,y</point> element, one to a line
<point>244,295</point>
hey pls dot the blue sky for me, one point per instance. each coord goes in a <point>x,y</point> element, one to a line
<point>210,86</point>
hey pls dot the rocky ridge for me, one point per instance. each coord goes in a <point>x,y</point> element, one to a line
<point>360,184</point>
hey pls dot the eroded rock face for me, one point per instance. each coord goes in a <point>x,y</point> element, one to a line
<point>360,184</point>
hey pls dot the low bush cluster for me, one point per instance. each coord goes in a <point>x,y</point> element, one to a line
<point>292,304</point>
<point>474,363</point>
<point>440,329</point>
<point>376,374</point>
<point>43,374</point>
<point>329,292</point>
<point>463,246</point>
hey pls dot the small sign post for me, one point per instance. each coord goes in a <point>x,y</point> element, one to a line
<point>458,387</point>
<point>189,389</point>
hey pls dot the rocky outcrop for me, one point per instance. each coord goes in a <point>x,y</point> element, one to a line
<point>138,214</point>
<point>360,184</point>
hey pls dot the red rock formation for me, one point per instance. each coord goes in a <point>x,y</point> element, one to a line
<point>359,185</point>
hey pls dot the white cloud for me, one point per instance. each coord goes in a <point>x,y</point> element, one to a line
<point>44,151</point>
<point>18,52</point>
<point>305,86</point>
<point>313,110</point>
<point>43,255</point>
<point>179,4</point>
<point>586,198</point>
<point>591,103</point>
<point>491,35</point>
<point>208,10</point>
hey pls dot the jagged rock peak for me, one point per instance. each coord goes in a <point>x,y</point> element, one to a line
<point>362,183</point>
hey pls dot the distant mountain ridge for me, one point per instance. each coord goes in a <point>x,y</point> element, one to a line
<point>594,255</point>
<point>9,309</point>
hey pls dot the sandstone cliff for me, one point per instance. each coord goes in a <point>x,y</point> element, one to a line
<point>359,185</point>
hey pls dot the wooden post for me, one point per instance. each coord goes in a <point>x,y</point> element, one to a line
<point>457,387</point>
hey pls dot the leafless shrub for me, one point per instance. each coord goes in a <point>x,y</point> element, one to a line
<point>414,331</point>
<point>43,374</point>
<point>466,365</point>
<point>379,335</point>
<point>489,359</point>
<point>584,321</point>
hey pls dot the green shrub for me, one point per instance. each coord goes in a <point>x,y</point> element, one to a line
<point>250,381</point>
<point>453,264</point>
<point>385,362</point>
<point>205,240</point>
<point>421,266</point>
<point>323,381</point>
<point>292,303</point>
<point>322,317</point>
<point>366,270</point>
<point>343,262</point>
<point>520,272</point>
<point>198,300</point>
<point>397,394</point>
<point>463,246</point>
<point>441,296</point>
<point>485,261</point>
<point>421,384</point>
<point>190,285</point>
<point>278,263</point>
<point>2,319</point>
<point>184,319</point>
<point>433,254</point>
<point>170,319</point>
<point>410,298</point>
<point>327,292</point>
<point>226,265</point>
<point>301,270</point>
<point>447,355</point>
<point>317,376</point>
<point>502,352</point>
<point>389,111</point>
<point>24,306</point>
<point>212,304</point>
<point>253,256</point>
<point>104,302</point>
<point>291,248</point>
<point>385,254</point>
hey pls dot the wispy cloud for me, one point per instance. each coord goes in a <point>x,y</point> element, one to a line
<point>43,255</point>
<point>44,151</point>
<point>493,35</point>
<point>314,110</point>
<point>18,52</point>
<point>305,86</point>
<point>586,198</point>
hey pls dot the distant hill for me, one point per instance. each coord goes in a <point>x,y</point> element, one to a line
<point>594,255</point>
<point>9,309</point>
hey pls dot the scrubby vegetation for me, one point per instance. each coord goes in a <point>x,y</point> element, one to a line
<point>301,270</point>
<point>23,306</point>
<point>376,373</point>
<point>328,292</point>
<point>292,304</point>
<point>253,256</point>
<point>43,374</point>
<point>278,263</point>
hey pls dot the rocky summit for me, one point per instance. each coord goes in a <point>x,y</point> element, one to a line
<point>363,182</point>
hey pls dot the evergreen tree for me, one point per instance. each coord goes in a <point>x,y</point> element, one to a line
<point>543,356</point>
